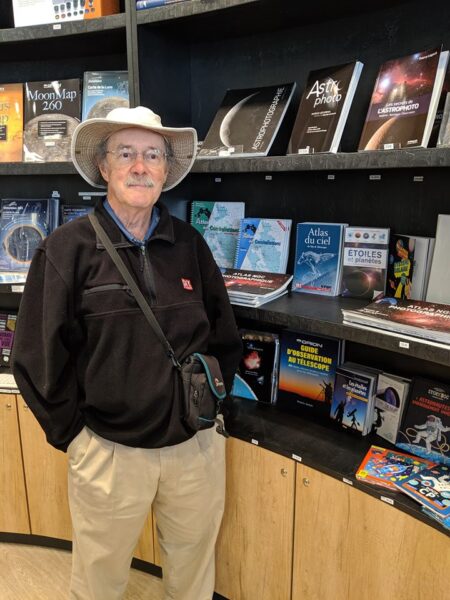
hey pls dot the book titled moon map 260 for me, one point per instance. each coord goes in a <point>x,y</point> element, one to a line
<point>404,101</point>
<point>248,122</point>
<point>51,112</point>
<point>324,108</point>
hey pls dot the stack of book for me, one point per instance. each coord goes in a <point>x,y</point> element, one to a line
<point>251,288</point>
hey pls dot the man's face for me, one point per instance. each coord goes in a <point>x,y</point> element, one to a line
<point>134,182</point>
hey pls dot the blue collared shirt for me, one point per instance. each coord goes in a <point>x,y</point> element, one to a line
<point>151,228</point>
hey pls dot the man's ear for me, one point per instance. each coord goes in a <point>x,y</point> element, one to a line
<point>103,170</point>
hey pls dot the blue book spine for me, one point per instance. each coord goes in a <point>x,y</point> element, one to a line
<point>141,4</point>
<point>318,258</point>
<point>246,233</point>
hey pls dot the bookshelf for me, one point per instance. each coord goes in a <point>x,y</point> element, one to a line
<point>181,59</point>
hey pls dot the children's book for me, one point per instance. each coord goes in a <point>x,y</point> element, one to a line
<point>52,110</point>
<point>324,109</point>
<point>365,262</point>
<point>387,467</point>
<point>308,366</point>
<point>409,266</point>
<point>219,223</point>
<point>430,487</point>
<point>11,122</point>
<point>390,400</point>
<point>257,376</point>
<point>404,101</point>
<point>24,224</point>
<point>353,398</point>
<point>318,258</point>
<point>249,123</point>
<point>102,92</point>
<point>425,429</point>
<point>263,245</point>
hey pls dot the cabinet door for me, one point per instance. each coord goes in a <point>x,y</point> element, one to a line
<point>46,477</point>
<point>254,549</point>
<point>351,546</point>
<point>13,505</point>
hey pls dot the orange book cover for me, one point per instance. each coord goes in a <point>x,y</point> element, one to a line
<point>11,122</point>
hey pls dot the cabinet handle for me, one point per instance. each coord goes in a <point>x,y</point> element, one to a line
<point>25,407</point>
<point>284,472</point>
<point>306,481</point>
<point>8,406</point>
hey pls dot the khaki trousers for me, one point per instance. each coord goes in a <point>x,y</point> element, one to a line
<point>111,490</point>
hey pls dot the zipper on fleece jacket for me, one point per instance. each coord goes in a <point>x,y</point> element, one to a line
<point>146,269</point>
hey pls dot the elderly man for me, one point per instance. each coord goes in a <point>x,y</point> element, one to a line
<point>96,377</point>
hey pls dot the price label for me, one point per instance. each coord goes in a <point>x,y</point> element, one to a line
<point>347,481</point>
<point>387,500</point>
<point>297,458</point>
<point>403,345</point>
<point>217,179</point>
<point>255,442</point>
<point>57,26</point>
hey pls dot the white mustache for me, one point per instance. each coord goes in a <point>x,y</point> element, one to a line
<point>145,181</point>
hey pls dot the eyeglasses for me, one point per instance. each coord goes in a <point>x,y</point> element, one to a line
<point>128,156</point>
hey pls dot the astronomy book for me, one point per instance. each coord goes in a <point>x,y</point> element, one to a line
<point>404,101</point>
<point>263,245</point>
<point>431,488</point>
<point>219,224</point>
<point>102,92</point>
<point>390,400</point>
<point>308,366</point>
<point>318,258</point>
<point>249,123</point>
<point>52,110</point>
<point>425,428</point>
<point>365,261</point>
<point>11,122</point>
<point>324,108</point>
<point>409,266</point>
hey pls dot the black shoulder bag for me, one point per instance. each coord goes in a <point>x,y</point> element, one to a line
<point>202,386</point>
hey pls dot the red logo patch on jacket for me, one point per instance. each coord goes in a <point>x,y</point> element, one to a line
<point>187,284</point>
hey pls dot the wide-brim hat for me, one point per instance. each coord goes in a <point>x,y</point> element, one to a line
<point>91,133</point>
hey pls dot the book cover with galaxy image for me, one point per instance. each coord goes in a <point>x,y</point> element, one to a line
<point>308,366</point>
<point>427,320</point>
<point>324,109</point>
<point>387,467</point>
<point>365,262</point>
<point>430,487</point>
<point>248,123</point>
<point>257,376</point>
<point>404,101</point>
<point>425,428</point>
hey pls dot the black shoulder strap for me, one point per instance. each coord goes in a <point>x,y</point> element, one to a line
<point>134,288</point>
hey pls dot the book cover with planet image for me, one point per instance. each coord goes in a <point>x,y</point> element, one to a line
<point>248,122</point>
<point>102,92</point>
<point>51,113</point>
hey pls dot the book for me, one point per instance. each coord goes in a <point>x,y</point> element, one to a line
<point>102,92</point>
<point>324,109</point>
<point>353,398</point>
<point>7,330</point>
<point>39,12</point>
<point>248,122</point>
<point>409,266</point>
<point>11,122</point>
<point>404,101</point>
<point>431,488</point>
<point>390,400</point>
<point>426,423</point>
<point>365,262</point>
<point>257,376</point>
<point>438,289</point>
<point>263,245</point>
<point>308,366</point>
<point>444,130</point>
<point>386,468</point>
<point>318,258</point>
<point>51,113</point>
<point>252,288</point>
<point>24,224</point>
<point>143,4</point>
<point>426,320</point>
<point>69,212</point>
<point>219,223</point>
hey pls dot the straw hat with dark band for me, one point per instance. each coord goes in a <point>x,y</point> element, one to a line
<point>91,133</point>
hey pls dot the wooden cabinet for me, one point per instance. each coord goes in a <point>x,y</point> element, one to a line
<point>351,546</point>
<point>254,550</point>
<point>46,477</point>
<point>13,505</point>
